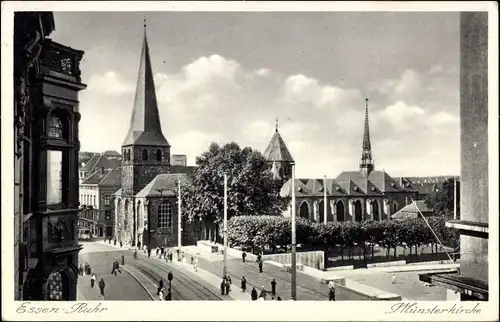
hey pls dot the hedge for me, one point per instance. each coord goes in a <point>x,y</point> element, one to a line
<point>273,232</point>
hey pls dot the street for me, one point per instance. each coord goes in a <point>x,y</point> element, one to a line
<point>139,278</point>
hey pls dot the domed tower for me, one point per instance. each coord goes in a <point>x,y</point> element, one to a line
<point>279,158</point>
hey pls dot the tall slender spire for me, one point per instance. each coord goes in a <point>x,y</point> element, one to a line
<point>366,165</point>
<point>145,127</point>
<point>276,124</point>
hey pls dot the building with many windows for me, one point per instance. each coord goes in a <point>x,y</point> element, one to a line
<point>47,82</point>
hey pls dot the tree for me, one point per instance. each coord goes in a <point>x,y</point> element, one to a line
<point>251,189</point>
<point>441,200</point>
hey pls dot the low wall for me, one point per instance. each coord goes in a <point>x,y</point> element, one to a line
<point>314,259</point>
<point>387,264</point>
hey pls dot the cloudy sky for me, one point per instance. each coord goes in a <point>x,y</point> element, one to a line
<point>226,76</point>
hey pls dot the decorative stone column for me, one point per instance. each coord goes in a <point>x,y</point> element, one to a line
<point>334,210</point>
<point>315,211</point>
<point>369,209</point>
<point>351,210</point>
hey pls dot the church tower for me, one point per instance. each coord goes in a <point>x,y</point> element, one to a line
<point>366,165</point>
<point>145,151</point>
<point>279,158</point>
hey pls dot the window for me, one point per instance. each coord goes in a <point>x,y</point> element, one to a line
<point>107,215</point>
<point>55,287</point>
<point>54,177</point>
<point>55,128</point>
<point>158,155</point>
<point>107,200</point>
<point>165,215</point>
<point>144,155</point>
<point>94,204</point>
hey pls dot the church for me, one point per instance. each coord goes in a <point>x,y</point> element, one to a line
<point>366,194</point>
<point>145,205</point>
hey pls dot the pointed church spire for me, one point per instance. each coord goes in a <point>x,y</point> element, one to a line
<point>276,124</point>
<point>366,165</point>
<point>145,127</point>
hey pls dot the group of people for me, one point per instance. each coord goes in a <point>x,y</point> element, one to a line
<point>162,293</point>
<point>225,285</point>
<point>102,284</point>
<point>85,270</point>
<point>263,296</point>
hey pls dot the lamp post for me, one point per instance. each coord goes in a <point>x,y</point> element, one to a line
<point>179,222</point>
<point>294,241</point>
<point>225,225</point>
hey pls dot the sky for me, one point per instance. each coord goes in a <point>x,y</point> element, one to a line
<point>227,76</point>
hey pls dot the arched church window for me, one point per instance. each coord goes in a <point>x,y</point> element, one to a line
<point>144,155</point>
<point>158,155</point>
<point>165,214</point>
<point>54,127</point>
<point>55,287</point>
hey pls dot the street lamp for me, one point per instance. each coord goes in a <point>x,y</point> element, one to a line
<point>294,241</point>
<point>225,225</point>
<point>179,219</point>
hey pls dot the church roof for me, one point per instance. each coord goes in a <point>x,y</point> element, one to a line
<point>167,182</point>
<point>277,150</point>
<point>377,182</point>
<point>145,127</point>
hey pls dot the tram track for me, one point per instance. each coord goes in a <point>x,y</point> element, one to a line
<point>183,286</point>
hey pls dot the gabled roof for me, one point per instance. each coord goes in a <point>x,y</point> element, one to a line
<point>412,211</point>
<point>145,127</point>
<point>103,178</point>
<point>100,161</point>
<point>113,178</point>
<point>277,150</point>
<point>377,182</point>
<point>301,189</point>
<point>112,153</point>
<point>167,182</point>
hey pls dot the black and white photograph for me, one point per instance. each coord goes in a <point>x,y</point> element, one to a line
<point>249,151</point>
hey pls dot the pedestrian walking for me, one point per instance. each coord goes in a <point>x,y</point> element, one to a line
<point>157,251</point>
<point>160,286</point>
<point>273,287</point>
<point>102,285</point>
<point>92,280</point>
<point>80,269</point>
<point>263,292</point>
<point>393,278</point>
<point>161,294</point>
<point>121,244</point>
<point>139,245</point>
<point>243,256</point>
<point>223,287</point>
<point>260,267</point>
<point>243,284</point>
<point>149,252</point>
<point>135,254</point>
<point>331,284</point>
<point>278,299</point>
<point>114,242</point>
<point>162,251</point>
<point>253,294</point>
<point>331,294</point>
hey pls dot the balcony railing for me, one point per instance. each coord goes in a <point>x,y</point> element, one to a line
<point>61,59</point>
